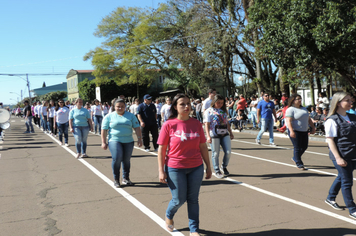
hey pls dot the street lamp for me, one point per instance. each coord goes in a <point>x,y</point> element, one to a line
<point>28,85</point>
<point>18,94</point>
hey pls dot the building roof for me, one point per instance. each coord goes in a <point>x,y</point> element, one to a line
<point>52,88</point>
<point>75,72</point>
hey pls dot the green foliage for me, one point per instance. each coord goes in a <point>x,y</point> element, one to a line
<point>86,90</point>
<point>302,33</point>
<point>55,96</point>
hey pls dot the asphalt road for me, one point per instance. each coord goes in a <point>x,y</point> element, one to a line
<point>44,190</point>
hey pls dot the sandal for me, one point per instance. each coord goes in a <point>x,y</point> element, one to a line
<point>195,234</point>
<point>169,227</point>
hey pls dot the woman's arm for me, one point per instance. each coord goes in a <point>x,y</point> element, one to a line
<point>339,160</point>
<point>207,125</point>
<point>71,125</point>
<point>161,161</point>
<point>139,136</point>
<point>230,131</point>
<point>310,121</point>
<point>205,154</point>
<point>104,145</point>
<point>90,124</point>
<point>289,125</point>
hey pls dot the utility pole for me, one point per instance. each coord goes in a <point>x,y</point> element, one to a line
<point>21,95</point>
<point>29,91</point>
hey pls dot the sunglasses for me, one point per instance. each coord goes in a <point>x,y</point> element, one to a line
<point>266,95</point>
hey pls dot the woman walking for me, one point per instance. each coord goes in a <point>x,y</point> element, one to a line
<point>61,117</point>
<point>340,129</point>
<point>96,110</point>
<point>298,122</point>
<point>50,111</point>
<point>119,124</point>
<point>80,123</point>
<point>44,113</point>
<point>219,133</point>
<point>182,167</point>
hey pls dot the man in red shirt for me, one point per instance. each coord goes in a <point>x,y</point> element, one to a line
<point>241,104</point>
<point>284,97</point>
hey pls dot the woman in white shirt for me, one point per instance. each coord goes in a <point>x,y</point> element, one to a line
<point>44,115</point>
<point>340,133</point>
<point>61,117</point>
<point>96,114</point>
<point>50,112</point>
<point>165,110</point>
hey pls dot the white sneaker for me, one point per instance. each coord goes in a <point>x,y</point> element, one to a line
<point>147,150</point>
<point>67,145</point>
<point>219,175</point>
<point>77,156</point>
<point>258,141</point>
<point>272,144</point>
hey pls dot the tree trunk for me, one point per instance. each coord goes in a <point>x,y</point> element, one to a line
<point>311,88</point>
<point>348,78</point>
<point>283,85</point>
<point>258,65</point>
<point>329,90</point>
<point>318,82</point>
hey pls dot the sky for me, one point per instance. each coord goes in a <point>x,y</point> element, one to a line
<point>49,37</point>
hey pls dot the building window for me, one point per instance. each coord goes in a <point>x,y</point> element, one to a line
<point>161,79</point>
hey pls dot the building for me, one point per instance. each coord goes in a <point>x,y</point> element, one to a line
<point>74,77</point>
<point>48,89</point>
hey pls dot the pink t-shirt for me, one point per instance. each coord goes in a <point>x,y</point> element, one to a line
<point>183,139</point>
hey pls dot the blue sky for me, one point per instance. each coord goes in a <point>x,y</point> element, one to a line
<point>42,37</point>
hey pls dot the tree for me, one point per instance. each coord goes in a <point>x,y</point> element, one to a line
<point>304,33</point>
<point>55,96</point>
<point>86,90</point>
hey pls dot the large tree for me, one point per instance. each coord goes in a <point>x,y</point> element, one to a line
<point>304,33</point>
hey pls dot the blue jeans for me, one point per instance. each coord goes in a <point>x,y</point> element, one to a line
<point>97,122</point>
<point>344,181</point>
<point>159,120</point>
<point>44,124</point>
<point>63,129</point>
<point>225,143</point>
<point>253,118</point>
<point>266,123</point>
<point>300,144</point>
<point>231,112</point>
<point>29,124</point>
<point>185,186</point>
<point>199,117</point>
<point>81,135</point>
<point>121,152</point>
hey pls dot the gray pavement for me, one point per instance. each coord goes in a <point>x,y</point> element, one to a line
<point>46,191</point>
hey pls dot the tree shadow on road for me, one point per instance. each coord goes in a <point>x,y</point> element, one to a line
<point>284,232</point>
<point>285,175</point>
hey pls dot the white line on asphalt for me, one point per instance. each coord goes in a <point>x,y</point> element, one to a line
<point>317,209</point>
<point>286,198</point>
<point>280,147</point>
<point>161,222</point>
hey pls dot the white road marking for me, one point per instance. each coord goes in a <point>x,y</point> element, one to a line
<point>343,218</point>
<point>317,209</point>
<point>280,147</point>
<point>161,222</point>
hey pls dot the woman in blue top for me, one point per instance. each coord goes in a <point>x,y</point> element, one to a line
<point>120,124</point>
<point>79,124</point>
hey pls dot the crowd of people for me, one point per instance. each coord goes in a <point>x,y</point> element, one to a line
<point>181,129</point>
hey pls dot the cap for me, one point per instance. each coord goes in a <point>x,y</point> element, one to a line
<point>147,96</point>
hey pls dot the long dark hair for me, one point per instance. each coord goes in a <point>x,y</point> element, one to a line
<point>292,98</point>
<point>57,105</point>
<point>173,111</point>
<point>215,99</point>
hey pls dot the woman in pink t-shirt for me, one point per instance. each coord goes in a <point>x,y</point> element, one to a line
<point>183,163</point>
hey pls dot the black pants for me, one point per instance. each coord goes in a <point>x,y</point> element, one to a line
<point>52,129</point>
<point>146,137</point>
<point>38,120</point>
